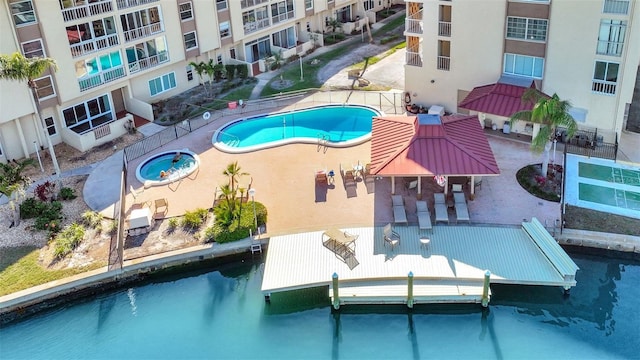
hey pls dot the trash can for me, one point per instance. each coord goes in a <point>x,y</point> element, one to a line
<point>506,128</point>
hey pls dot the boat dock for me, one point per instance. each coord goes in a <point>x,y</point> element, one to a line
<point>449,269</point>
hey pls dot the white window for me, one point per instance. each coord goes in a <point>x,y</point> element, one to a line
<point>368,5</point>
<point>22,12</point>
<point>186,11</point>
<point>189,73</point>
<point>282,10</point>
<point>285,38</point>
<point>45,88</point>
<point>161,84</point>
<point>523,65</point>
<point>605,77</point>
<point>88,115</point>
<point>190,41</point>
<point>526,28</point>
<point>51,126</point>
<point>616,7</point>
<point>225,30</point>
<point>33,48</point>
<point>219,60</point>
<point>611,37</point>
<point>308,4</point>
<point>221,4</point>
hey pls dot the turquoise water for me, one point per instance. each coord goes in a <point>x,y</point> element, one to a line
<point>221,314</point>
<point>151,168</point>
<point>338,123</point>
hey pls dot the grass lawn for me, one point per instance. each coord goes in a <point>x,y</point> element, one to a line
<point>592,220</point>
<point>19,269</point>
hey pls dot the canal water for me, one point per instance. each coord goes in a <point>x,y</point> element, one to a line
<point>221,314</point>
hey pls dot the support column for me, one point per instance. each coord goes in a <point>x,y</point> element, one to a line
<point>23,142</point>
<point>419,187</point>
<point>336,296</point>
<point>410,291</point>
<point>393,185</point>
<point>485,289</point>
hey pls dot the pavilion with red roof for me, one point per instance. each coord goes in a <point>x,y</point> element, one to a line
<point>430,145</point>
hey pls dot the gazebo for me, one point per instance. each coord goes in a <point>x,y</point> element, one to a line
<point>427,145</point>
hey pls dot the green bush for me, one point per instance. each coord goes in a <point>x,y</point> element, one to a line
<point>92,218</point>
<point>173,224</point>
<point>68,239</point>
<point>67,194</point>
<point>526,176</point>
<point>242,70</point>
<point>222,233</point>
<point>231,71</point>
<point>48,216</point>
<point>192,220</point>
<point>113,227</point>
<point>31,208</point>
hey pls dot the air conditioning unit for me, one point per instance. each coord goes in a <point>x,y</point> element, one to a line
<point>436,110</point>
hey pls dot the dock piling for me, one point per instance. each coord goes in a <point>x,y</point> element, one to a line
<point>336,296</point>
<point>410,290</point>
<point>485,289</point>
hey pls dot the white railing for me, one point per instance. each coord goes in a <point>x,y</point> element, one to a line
<point>87,47</point>
<point>413,26</point>
<point>143,31</point>
<point>444,62</point>
<point>255,26</point>
<point>248,3</point>
<point>102,131</point>
<point>444,28</point>
<point>616,7</point>
<point>610,48</point>
<point>123,4</point>
<point>603,87</point>
<point>101,78</point>
<point>149,62</point>
<point>85,10</point>
<point>282,17</point>
<point>414,59</point>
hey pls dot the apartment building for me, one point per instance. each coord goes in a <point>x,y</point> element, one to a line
<point>478,57</point>
<point>117,57</point>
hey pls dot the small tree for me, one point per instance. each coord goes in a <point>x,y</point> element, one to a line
<point>231,70</point>
<point>210,69</point>
<point>334,25</point>
<point>200,69</point>
<point>550,113</point>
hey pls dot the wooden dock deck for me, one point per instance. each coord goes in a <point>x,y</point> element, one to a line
<point>450,268</point>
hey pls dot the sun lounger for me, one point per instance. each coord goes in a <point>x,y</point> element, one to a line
<point>462,213</point>
<point>441,213</point>
<point>399,212</point>
<point>458,197</point>
<point>424,217</point>
<point>439,198</point>
<point>397,200</point>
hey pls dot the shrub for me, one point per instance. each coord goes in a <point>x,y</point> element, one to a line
<point>31,208</point>
<point>92,219</point>
<point>388,39</point>
<point>233,231</point>
<point>192,220</point>
<point>45,191</point>
<point>67,194</point>
<point>173,223</point>
<point>243,70</point>
<point>49,216</point>
<point>231,70</point>
<point>113,227</point>
<point>68,239</point>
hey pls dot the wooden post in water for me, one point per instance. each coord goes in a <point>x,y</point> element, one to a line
<point>410,291</point>
<point>485,289</point>
<point>336,296</point>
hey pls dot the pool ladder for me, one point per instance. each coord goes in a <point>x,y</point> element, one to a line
<point>323,139</point>
<point>234,140</point>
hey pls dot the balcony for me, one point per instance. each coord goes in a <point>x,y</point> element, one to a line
<point>444,28</point>
<point>255,26</point>
<point>444,62</point>
<point>87,47</point>
<point>148,62</point>
<point>604,87</point>
<point>101,78</point>
<point>144,31</point>
<point>282,17</point>
<point>87,9</point>
<point>249,3</point>
<point>413,23</point>
<point>124,4</point>
<point>414,59</point>
<point>616,7</point>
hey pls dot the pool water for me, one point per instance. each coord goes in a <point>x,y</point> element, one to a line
<point>336,124</point>
<point>221,314</point>
<point>152,168</point>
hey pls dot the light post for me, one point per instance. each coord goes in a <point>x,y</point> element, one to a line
<point>252,193</point>
<point>301,73</point>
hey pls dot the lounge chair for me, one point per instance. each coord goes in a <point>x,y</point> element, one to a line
<point>399,212</point>
<point>462,213</point>
<point>439,198</point>
<point>424,217</point>
<point>411,185</point>
<point>390,237</point>
<point>441,213</point>
<point>459,197</point>
<point>162,208</point>
<point>321,176</point>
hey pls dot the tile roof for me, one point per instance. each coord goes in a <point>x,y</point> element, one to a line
<point>457,147</point>
<point>498,99</point>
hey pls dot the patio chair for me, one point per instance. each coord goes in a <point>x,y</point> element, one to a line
<point>348,174</point>
<point>462,212</point>
<point>136,195</point>
<point>162,208</point>
<point>441,213</point>
<point>439,198</point>
<point>424,217</point>
<point>399,211</point>
<point>390,237</point>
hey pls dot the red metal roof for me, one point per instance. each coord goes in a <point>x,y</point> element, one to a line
<point>498,99</point>
<point>455,147</point>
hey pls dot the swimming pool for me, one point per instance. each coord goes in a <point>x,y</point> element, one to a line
<point>331,125</point>
<point>167,166</point>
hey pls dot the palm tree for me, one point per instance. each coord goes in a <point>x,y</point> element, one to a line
<point>200,69</point>
<point>233,171</point>
<point>551,113</point>
<point>334,24</point>
<point>19,68</point>
<point>210,68</point>
<point>12,178</point>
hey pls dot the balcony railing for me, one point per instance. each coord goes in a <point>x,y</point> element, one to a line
<point>610,48</point>
<point>414,59</point>
<point>282,17</point>
<point>148,62</point>
<point>85,10</point>
<point>101,78</point>
<point>413,26</point>
<point>144,31</point>
<point>94,45</point>
<point>249,3</point>
<point>255,26</point>
<point>123,4</point>
<point>616,7</point>
<point>604,87</point>
<point>444,62</point>
<point>444,28</point>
